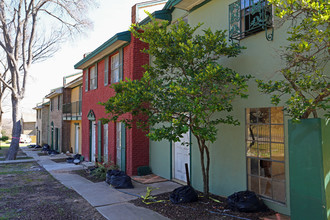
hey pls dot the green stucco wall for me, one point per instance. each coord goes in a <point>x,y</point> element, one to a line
<point>160,158</point>
<point>309,167</point>
<point>261,59</point>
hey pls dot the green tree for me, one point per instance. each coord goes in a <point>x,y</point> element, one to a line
<point>305,87</point>
<point>183,89</point>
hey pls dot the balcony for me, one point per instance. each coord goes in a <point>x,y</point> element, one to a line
<point>72,111</point>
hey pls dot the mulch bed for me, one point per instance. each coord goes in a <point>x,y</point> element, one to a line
<point>59,160</point>
<point>204,208</point>
<point>86,174</point>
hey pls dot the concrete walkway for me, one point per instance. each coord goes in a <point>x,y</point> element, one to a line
<point>111,203</point>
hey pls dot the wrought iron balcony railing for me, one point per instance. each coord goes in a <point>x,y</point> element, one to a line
<point>247,17</point>
<point>72,111</point>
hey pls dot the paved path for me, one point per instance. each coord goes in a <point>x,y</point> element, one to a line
<point>111,203</point>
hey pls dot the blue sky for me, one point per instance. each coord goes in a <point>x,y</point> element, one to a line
<point>110,17</point>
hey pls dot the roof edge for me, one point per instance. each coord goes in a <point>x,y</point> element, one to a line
<point>161,15</point>
<point>122,36</point>
<point>171,3</point>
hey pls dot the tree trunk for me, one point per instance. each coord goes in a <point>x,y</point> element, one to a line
<point>16,132</point>
<point>205,170</point>
<point>1,112</point>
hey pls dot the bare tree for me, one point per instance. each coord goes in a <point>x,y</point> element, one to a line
<point>3,88</point>
<point>31,31</point>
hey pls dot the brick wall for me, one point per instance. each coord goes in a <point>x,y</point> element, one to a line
<point>66,128</point>
<point>56,117</point>
<point>137,145</point>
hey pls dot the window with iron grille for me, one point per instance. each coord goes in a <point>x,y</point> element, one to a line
<point>247,17</point>
<point>265,152</point>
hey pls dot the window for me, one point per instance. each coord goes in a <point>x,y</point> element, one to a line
<point>265,152</point>
<point>106,71</point>
<point>117,67</point>
<point>58,102</point>
<point>86,80</point>
<point>93,77</point>
<point>51,104</point>
<point>247,17</point>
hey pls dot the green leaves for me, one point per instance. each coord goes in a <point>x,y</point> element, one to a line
<point>185,87</point>
<point>305,83</point>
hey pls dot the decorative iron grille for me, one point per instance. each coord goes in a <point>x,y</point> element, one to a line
<point>247,17</point>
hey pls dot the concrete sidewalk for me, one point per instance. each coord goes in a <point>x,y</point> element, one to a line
<point>111,203</point>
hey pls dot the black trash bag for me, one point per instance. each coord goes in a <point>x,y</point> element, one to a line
<point>183,194</point>
<point>119,180</point>
<point>31,146</point>
<point>37,146</point>
<point>69,160</point>
<point>52,152</point>
<point>77,156</point>
<point>46,147</point>
<point>246,201</point>
<point>108,176</point>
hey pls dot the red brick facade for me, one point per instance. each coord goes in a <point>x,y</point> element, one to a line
<point>137,144</point>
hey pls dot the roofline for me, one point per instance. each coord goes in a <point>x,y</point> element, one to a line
<point>122,36</point>
<point>75,82</point>
<point>158,15</point>
<point>54,92</point>
<point>171,3</point>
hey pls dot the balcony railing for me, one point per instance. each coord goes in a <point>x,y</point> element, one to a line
<point>72,111</point>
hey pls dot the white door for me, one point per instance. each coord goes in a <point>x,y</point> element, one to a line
<point>181,154</point>
<point>118,144</point>
<point>77,139</point>
<point>93,141</point>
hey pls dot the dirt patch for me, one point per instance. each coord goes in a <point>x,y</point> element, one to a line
<point>59,160</point>
<point>28,191</point>
<point>18,158</point>
<point>204,208</point>
<point>43,153</point>
<point>87,174</point>
<point>4,150</point>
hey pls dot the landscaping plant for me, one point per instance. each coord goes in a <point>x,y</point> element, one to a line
<point>184,89</point>
<point>101,169</point>
<point>305,86</point>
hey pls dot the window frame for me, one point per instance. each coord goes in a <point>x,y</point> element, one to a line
<point>106,71</point>
<point>87,80</point>
<point>58,102</point>
<point>52,104</point>
<point>115,76</point>
<point>93,77</point>
<point>265,165</point>
<point>120,67</point>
